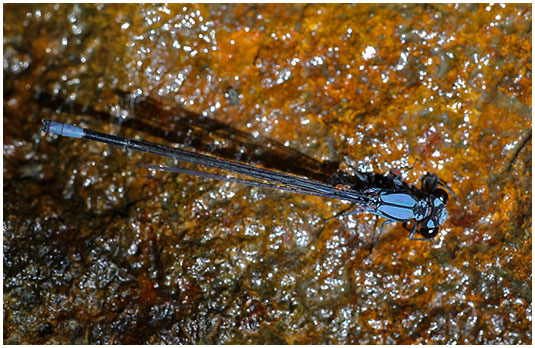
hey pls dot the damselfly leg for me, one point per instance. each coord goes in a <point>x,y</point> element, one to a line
<point>445,186</point>
<point>375,241</point>
<point>345,212</point>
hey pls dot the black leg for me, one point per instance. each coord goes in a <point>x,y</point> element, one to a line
<point>345,212</point>
<point>411,236</point>
<point>375,227</point>
<point>411,167</point>
<point>379,235</point>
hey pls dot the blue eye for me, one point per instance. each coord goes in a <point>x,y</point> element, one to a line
<point>441,195</point>
<point>429,229</point>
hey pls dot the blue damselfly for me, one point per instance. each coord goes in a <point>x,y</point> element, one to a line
<point>386,196</point>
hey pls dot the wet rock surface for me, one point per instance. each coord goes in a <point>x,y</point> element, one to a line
<point>98,250</point>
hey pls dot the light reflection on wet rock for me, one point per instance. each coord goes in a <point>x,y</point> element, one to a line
<point>97,250</point>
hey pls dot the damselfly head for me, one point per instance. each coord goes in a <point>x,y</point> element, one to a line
<point>431,225</point>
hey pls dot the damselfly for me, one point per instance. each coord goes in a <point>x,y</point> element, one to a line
<point>386,196</point>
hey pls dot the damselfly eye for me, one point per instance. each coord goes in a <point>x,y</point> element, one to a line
<point>429,228</point>
<point>440,194</point>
